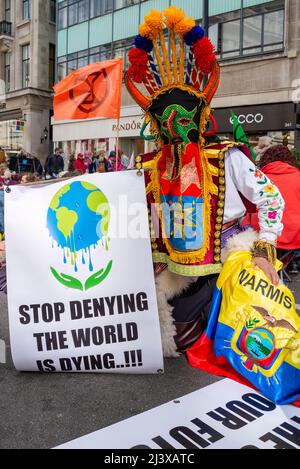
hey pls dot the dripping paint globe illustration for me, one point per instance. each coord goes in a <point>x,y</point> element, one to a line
<point>78,221</point>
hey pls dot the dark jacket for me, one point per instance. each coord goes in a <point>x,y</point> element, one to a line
<point>54,164</point>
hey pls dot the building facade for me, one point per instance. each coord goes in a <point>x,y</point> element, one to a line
<point>27,74</point>
<point>257,43</point>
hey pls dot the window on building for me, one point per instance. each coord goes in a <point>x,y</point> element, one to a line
<point>73,14</point>
<point>252,34</point>
<point>95,6</point>
<point>7,10</point>
<point>125,3</point>
<point>83,59</point>
<point>53,11</point>
<point>78,11</point>
<point>273,29</point>
<point>61,68</point>
<point>26,9</point>
<point>231,38</point>
<point>62,15</point>
<point>7,60</point>
<point>254,30</point>
<point>83,10</point>
<point>51,65</point>
<point>109,6</point>
<point>95,55</point>
<point>25,66</point>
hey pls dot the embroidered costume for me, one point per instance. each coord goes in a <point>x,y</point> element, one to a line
<point>197,192</point>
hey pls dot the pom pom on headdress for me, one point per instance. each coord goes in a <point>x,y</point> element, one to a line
<point>137,72</point>
<point>139,64</point>
<point>145,31</point>
<point>194,35</point>
<point>203,47</point>
<point>204,55</point>
<point>173,15</point>
<point>153,25</point>
<point>143,43</point>
<point>138,57</point>
<point>205,63</point>
<point>184,26</point>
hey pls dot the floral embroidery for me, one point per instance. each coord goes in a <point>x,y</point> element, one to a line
<point>272,215</point>
<point>274,210</point>
<point>275,204</point>
<point>270,189</point>
<point>258,174</point>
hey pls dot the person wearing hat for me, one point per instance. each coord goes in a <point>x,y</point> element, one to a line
<point>79,163</point>
<point>110,163</point>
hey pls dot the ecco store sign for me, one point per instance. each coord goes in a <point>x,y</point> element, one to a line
<point>260,118</point>
<point>249,118</point>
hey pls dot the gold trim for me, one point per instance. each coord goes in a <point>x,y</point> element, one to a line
<point>189,257</point>
<point>187,270</point>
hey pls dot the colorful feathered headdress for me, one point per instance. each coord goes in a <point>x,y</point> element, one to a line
<point>192,58</point>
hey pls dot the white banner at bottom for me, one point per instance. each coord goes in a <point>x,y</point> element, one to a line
<point>224,415</point>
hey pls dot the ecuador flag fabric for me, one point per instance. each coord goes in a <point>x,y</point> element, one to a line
<point>91,91</point>
<point>253,333</point>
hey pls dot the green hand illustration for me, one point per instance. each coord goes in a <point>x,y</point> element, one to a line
<point>98,277</point>
<point>67,280</point>
<point>92,281</point>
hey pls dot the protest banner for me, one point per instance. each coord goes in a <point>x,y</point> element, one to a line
<point>224,415</point>
<point>81,292</point>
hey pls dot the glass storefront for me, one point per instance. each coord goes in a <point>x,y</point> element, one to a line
<point>10,137</point>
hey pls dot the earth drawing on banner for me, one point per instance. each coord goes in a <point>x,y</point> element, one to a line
<point>78,220</point>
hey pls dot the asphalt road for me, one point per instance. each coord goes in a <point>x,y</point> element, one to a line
<point>45,410</point>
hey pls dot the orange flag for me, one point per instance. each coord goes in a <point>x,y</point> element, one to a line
<point>91,91</point>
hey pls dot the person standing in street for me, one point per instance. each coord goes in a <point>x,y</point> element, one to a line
<point>54,164</point>
<point>124,160</point>
<point>79,163</point>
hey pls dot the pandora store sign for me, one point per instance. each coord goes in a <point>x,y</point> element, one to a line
<point>128,127</point>
<point>264,118</point>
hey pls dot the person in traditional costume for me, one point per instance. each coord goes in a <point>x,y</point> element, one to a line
<point>198,192</point>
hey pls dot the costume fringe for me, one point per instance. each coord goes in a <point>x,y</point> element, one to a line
<point>174,56</point>
<point>159,62</point>
<point>181,66</point>
<point>165,56</point>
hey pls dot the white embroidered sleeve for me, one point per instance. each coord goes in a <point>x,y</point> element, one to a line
<point>258,189</point>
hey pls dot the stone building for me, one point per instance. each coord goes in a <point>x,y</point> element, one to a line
<point>27,74</point>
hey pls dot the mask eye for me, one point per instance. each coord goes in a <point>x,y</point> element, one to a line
<point>164,125</point>
<point>184,121</point>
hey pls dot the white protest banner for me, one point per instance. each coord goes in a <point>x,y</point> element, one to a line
<point>81,290</point>
<point>224,415</point>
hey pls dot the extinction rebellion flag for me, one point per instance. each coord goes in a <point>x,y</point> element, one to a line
<point>91,91</point>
